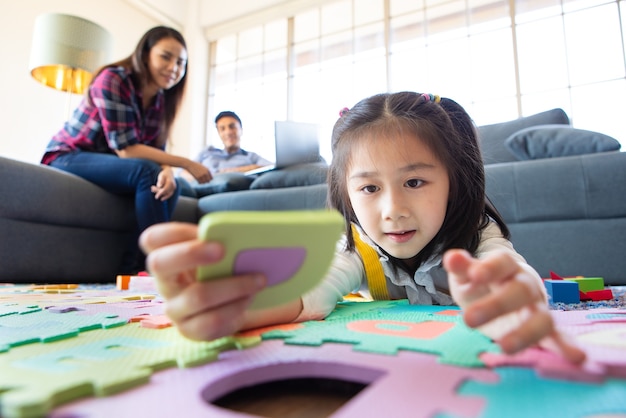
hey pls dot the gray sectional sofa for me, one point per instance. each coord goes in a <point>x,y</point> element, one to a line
<point>561,190</point>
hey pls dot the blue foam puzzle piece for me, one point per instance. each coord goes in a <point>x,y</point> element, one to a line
<point>522,393</point>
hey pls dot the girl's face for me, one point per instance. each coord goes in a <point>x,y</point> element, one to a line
<point>167,63</point>
<point>399,193</point>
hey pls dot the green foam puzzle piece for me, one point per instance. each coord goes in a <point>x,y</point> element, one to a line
<point>18,308</point>
<point>44,326</point>
<point>387,327</point>
<point>269,241</point>
<point>96,363</point>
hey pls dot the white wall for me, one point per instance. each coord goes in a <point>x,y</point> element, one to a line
<point>32,113</point>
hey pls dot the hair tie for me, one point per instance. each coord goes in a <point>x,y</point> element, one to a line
<point>343,111</point>
<point>431,97</point>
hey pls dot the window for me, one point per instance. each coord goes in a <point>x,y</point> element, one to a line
<point>248,75</point>
<point>500,59</point>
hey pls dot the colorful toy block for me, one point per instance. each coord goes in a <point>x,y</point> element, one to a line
<point>586,284</point>
<point>597,295</point>
<point>564,291</point>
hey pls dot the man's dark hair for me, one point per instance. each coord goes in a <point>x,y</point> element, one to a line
<point>229,114</point>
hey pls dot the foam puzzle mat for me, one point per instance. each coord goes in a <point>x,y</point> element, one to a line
<point>95,351</point>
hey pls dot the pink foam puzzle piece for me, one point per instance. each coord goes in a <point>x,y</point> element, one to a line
<point>156,321</point>
<point>588,317</point>
<point>601,333</point>
<point>548,364</point>
<point>409,384</point>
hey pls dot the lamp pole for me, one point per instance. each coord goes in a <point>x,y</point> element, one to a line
<point>70,86</point>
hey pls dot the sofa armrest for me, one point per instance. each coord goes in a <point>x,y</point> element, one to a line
<point>42,194</point>
<point>186,210</point>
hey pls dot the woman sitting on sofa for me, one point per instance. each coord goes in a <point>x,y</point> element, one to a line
<point>117,136</point>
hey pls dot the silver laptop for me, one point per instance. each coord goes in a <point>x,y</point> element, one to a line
<point>296,143</point>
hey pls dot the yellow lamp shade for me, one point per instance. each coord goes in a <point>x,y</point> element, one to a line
<point>66,50</point>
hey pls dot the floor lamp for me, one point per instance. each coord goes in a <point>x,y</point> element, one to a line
<point>66,51</point>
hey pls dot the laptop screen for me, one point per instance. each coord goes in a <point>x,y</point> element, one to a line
<point>296,143</point>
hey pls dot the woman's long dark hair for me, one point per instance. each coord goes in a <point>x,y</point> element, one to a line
<point>449,132</point>
<point>137,63</point>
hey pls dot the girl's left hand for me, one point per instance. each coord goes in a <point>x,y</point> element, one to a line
<point>165,185</point>
<point>506,302</point>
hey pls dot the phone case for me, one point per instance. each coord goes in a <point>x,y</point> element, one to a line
<point>294,249</point>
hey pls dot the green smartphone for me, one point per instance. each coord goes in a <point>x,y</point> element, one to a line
<point>293,249</point>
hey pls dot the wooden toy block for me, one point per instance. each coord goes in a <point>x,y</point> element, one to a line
<point>122,282</point>
<point>564,291</point>
<point>597,295</point>
<point>586,284</point>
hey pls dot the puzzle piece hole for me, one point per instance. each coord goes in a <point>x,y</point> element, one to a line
<point>311,389</point>
<point>312,397</point>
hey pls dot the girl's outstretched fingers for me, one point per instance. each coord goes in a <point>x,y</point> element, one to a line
<point>539,328</point>
<point>506,302</point>
<point>562,344</point>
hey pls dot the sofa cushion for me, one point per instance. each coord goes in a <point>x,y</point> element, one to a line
<point>285,198</point>
<point>548,141</point>
<point>492,137</point>
<point>294,176</point>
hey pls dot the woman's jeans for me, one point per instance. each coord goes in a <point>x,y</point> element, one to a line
<point>124,176</point>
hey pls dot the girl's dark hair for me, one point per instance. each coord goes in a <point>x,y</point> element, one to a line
<point>137,62</point>
<point>449,132</point>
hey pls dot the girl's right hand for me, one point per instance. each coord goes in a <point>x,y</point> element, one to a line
<point>201,310</point>
<point>199,172</point>
<point>506,302</point>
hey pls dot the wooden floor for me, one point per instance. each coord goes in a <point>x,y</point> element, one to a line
<point>294,398</point>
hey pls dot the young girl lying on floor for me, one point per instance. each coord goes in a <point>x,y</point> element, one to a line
<point>408,177</point>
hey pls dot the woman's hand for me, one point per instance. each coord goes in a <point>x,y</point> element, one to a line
<point>506,302</point>
<point>199,172</point>
<point>201,310</point>
<point>165,185</point>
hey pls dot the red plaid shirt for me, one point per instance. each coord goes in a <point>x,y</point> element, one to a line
<point>114,120</point>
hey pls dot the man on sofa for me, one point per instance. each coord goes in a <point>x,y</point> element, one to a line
<point>227,165</point>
